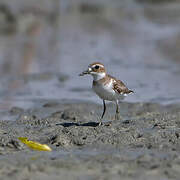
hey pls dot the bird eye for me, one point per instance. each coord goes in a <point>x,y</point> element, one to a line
<point>96,67</point>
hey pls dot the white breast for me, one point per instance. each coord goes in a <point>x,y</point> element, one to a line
<point>106,91</point>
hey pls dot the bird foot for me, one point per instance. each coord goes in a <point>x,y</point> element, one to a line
<point>100,124</point>
<point>117,116</point>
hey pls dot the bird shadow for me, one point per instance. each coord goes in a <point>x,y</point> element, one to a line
<point>69,124</point>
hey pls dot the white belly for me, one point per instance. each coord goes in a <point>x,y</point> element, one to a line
<point>106,92</point>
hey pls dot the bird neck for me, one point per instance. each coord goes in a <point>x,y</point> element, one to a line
<point>98,76</point>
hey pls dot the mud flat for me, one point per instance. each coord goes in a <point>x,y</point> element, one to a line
<point>143,144</point>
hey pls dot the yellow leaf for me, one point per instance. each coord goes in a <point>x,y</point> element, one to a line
<point>35,145</point>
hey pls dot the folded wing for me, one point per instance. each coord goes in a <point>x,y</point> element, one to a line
<point>119,87</point>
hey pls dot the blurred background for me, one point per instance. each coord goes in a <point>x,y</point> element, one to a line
<point>45,44</point>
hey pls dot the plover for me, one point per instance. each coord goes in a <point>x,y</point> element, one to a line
<point>106,86</point>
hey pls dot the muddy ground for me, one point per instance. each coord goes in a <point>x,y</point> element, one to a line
<point>143,144</point>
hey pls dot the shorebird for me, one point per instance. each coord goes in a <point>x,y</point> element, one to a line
<point>106,86</point>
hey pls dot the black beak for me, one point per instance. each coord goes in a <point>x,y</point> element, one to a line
<point>88,71</point>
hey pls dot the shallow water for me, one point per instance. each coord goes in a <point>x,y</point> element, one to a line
<point>137,43</point>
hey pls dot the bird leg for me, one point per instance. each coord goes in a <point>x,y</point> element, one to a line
<point>117,115</point>
<point>104,110</point>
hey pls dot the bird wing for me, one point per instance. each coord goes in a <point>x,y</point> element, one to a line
<point>120,87</point>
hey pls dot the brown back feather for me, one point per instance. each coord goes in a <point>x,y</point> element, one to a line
<point>120,87</point>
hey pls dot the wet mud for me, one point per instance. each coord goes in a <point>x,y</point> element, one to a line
<point>143,144</point>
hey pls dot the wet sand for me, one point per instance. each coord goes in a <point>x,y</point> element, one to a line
<point>143,144</point>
